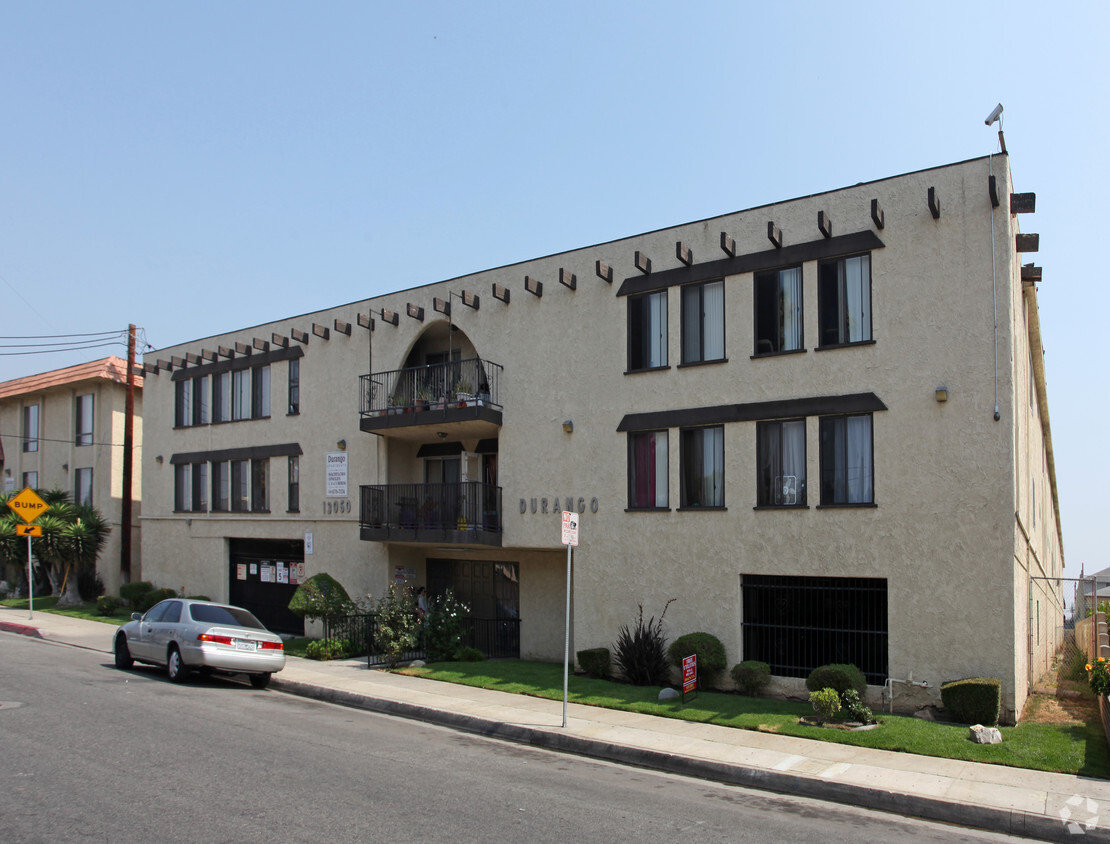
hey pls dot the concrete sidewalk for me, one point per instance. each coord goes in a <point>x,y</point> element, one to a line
<point>1046,806</point>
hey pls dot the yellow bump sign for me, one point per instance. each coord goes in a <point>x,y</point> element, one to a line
<point>28,505</point>
<point>28,530</point>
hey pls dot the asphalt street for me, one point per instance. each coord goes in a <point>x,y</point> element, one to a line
<point>93,753</point>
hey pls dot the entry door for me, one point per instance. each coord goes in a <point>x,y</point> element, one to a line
<point>260,581</point>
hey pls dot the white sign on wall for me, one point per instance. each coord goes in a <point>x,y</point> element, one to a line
<point>336,474</point>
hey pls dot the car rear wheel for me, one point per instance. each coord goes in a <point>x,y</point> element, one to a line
<point>175,666</point>
<point>259,681</point>
<point>124,660</point>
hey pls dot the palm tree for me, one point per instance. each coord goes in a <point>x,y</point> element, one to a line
<point>72,537</point>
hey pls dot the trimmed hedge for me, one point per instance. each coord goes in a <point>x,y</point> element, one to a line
<point>708,648</point>
<point>470,655</point>
<point>153,597</point>
<point>595,662</point>
<point>974,700</point>
<point>751,676</point>
<point>108,604</point>
<point>132,593</point>
<point>838,677</point>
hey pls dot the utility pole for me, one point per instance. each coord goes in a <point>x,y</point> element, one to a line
<point>128,448</point>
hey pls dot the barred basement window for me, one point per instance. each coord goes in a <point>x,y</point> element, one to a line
<point>796,624</point>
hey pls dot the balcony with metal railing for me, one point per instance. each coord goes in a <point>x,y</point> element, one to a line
<point>464,395</point>
<point>462,513</point>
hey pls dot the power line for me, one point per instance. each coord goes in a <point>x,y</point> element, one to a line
<point>51,440</point>
<point>65,349</point>
<point>53,336</point>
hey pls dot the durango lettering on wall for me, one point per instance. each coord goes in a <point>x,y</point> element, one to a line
<point>336,474</point>
<point>544,505</point>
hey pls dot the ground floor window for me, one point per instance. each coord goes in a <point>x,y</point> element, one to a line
<point>796,624</point>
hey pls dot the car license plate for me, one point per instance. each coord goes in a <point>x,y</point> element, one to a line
<point>245,645</point>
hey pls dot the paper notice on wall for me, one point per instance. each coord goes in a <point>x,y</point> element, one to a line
<point>267,575</point>
<point>241,571</point>
<point>254,569</point>
<point>300,572</point>
<point>282,573</point>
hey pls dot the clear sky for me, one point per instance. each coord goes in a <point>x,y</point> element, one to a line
<point>199,167</point>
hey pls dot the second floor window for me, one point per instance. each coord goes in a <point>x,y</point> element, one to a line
<point>83,487</point>
<point>781,448</point>
<point>31,427</point>
<point>83,420</point>
<point>294,484</point>
<point>778,311</point>
<point>221,397</point>
<point>703,322</point>
<point>294,386</point>
<point>220,489</point>
<point>260,392</point>
<point>703,467</point>
<point>260,485</point>
<point>648,478</point>
<point>647,331</point>
<point>240,486</point>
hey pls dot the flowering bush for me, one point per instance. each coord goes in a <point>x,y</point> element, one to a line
<point>826,703</point>
<point>1098,675</point>
<point>443,627</point>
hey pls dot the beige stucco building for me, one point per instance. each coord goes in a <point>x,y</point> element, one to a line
<point>64,429</point>
<point>820,425</point>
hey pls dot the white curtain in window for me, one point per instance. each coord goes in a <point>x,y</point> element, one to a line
<point>713,467</point>
<point>713,323</point>
<point>794,455</point>
<point>857,290</point>
<point>658,328</point>
<point>790,288</point>
<point>661,476</point>
<point>859,462</point>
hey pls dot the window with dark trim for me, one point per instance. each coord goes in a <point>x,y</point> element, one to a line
<point>83,420</point>
<point>240,394</point>
<point>647,331</point>
<point>260,485</point>
<point>31,427</point>
<point>702,466</point>
<point>83,486</point>
<point>200,488</point>
<point>240,486</point>
<point>182,487</point>
<point>781,447</point>
<point>294,386</point>
<point>183,403</point>
<point>847,470</point>
<point>221,396</point>
<point>648,477</point>
<point>260,392</point>
<point>294,484</point>
<point>844,300</point>
<point>778,311</point>
<point>30,480</point>
<point>200,400</point>
<point>703,322</point>
<point>220,489</point>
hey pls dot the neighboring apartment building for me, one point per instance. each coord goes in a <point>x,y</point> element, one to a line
<point>820,425</point>
<point>64,429</point>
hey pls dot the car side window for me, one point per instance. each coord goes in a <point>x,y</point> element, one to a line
<point>155,614</point>
<point>172,615</point>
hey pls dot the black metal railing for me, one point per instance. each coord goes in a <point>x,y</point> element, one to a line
<point>408,510</point>
<point>462,383</point>
<point>357,630</point>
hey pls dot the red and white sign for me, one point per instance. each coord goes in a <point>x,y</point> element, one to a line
<point>689,674</point>
<point>570,528</point>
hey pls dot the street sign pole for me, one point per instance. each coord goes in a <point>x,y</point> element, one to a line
<point>566,645</point>
<point>30,584</point>
<point>570,539</point>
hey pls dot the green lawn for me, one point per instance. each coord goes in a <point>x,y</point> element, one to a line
<point>86,611</point>
<point>1045,747</point>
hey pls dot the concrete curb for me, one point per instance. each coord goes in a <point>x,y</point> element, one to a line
<point>1009,822</point>
<point>22,629</point>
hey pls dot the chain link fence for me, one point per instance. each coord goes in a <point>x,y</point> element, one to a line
<point>1062,638</point>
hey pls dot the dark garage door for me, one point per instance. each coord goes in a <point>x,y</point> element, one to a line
<point>268,599</point>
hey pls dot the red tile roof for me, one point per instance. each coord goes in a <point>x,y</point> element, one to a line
<point>109,369</point>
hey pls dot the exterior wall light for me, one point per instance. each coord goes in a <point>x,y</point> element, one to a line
<point>341,445</point>
<point>568,426</point>
<point>942,394</point>
<point>158,459</point>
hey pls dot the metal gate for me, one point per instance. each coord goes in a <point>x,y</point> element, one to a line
<point>1061,628</point>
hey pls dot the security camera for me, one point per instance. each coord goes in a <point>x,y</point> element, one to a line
<point>994,115</point>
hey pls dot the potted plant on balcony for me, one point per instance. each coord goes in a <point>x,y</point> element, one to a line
<point>464,392</point>
<point>395,402</point>
<point>423,396</point>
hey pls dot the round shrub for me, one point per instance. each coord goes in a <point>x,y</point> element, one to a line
<point>708,649</point>
<point>825,702</point>
<point>976,700</point>
<point>837,677</point>
<point>108,604</point>
<point>751,676</point>
<point>153,597</point>
<point>470,655</point>
<point>321,596</point>
<point>595,662</point>
<point>132,593</point>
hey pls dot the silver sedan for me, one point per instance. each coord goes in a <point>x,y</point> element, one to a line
<point>186,635</point>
